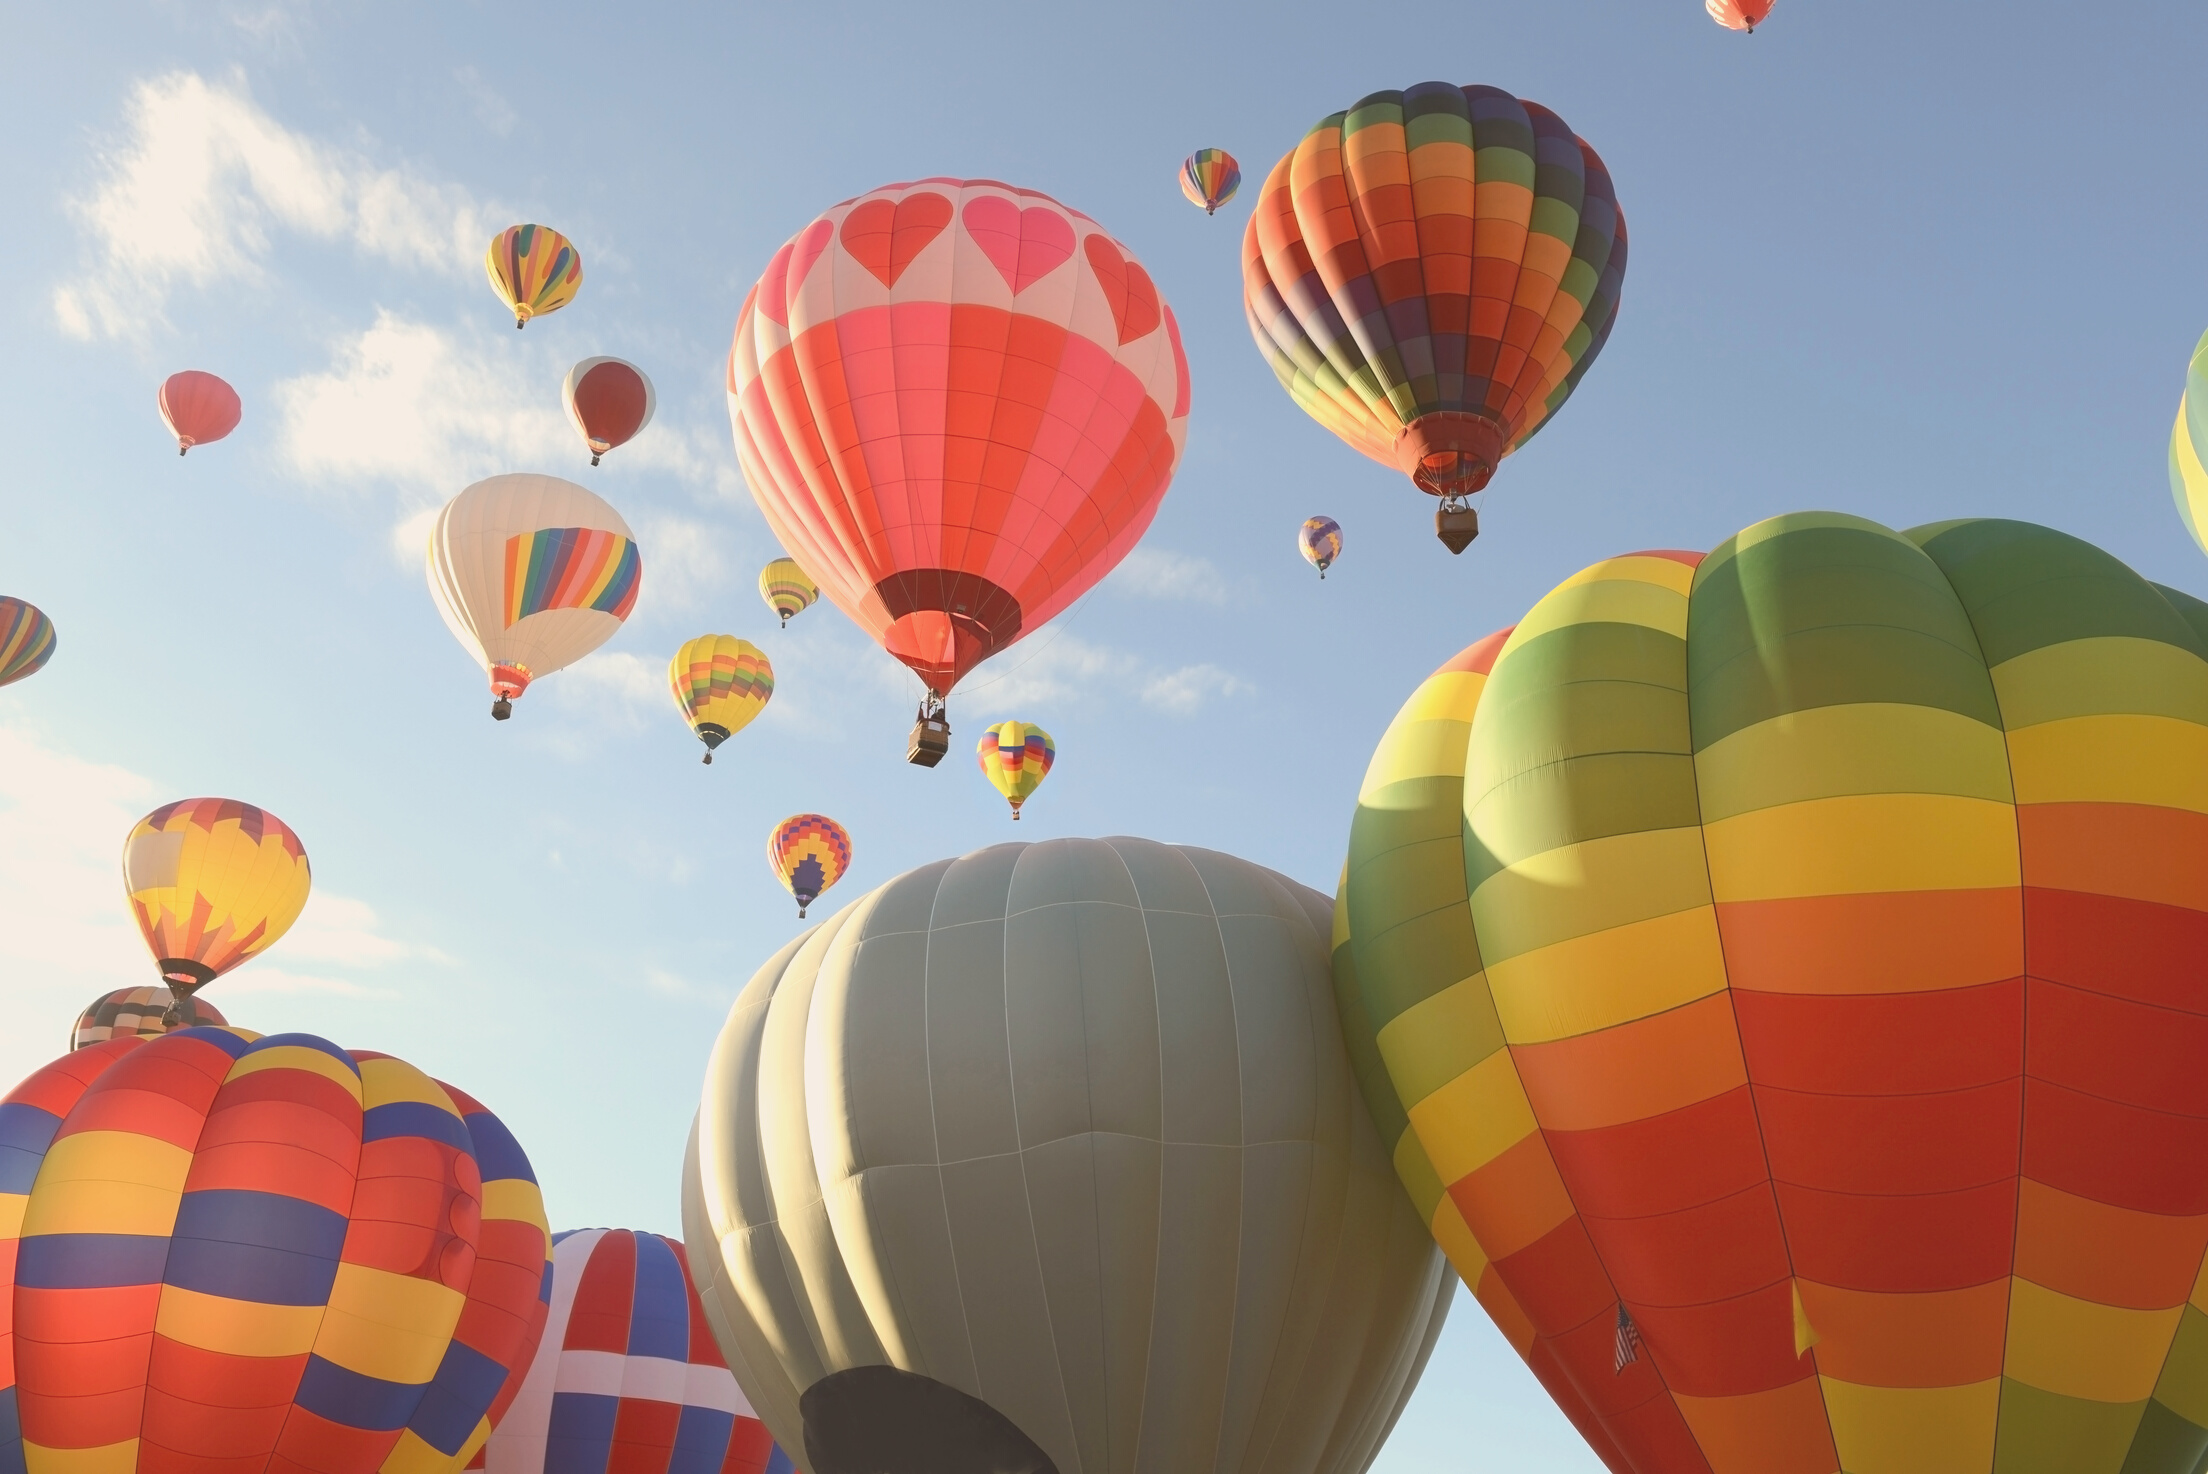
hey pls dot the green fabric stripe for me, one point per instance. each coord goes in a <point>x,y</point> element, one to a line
<point>1364,1050</point>
<point>1379,108</point>
<point>2047,1433</point>
<point>2189,609</point>
<point>2165,1444</point>
<point>2027,587</point>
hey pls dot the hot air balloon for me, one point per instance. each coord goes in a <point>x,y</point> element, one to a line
<point>1738,15</point>
<point>532,573</point>
<point>1209,177</point>
<point>1050,1157</point>
<point>610,401</point>
<point>1320,542</point>
<point>198,408</point>
<point>958,404</point>
<point>1431,314</point>
<point>1016,758</point>
<point>721,683</point>
<point>2188,437</point>
<point>786,588</point>
<point>808,853</point>
<point>26,640</point>
<point>627,1378</point>
<point>223,1251</point>
<point>145,1013</point>
<point>1693,929</point>
<point>534,269</point>
<point>212,882</point>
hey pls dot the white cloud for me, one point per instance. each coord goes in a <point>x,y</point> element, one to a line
<point>204,180</point>
<point>492,109</point>
<point>1070,670</point>
<point>1156,573</point>
<point>1184,690</point>
<point>615,685</point>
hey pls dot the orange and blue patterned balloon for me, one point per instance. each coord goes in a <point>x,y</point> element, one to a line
<point>809,853</point>
<point>1016,758</point>
<point>721,683</point>
<point>1209,177</point>
<point>212,882</point>
<point>1320,542</point>
<point>26,640</point>
<point>259,1255</point>
<point>141,1012</point>
<point>534,269</point>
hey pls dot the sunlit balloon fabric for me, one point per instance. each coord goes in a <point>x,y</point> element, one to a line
<point>958,405</point>
<point>1209,177</point>
<point>139,1013</point>
<point>808,853</point>
<point>1016,758</point>
<point>786,588</point>
<point>534,269</point>
<point>609,401</point>
<point>627,1378</point>
<point>2188,441</point>
<point>1320,542</point>
<point>212,882</point>
<point>220,1251</point>
<point>1802,949</point>
<point>1431,272</point>
<point>721,683</point>
<point>198,408</point>
<point>26,640</point>
<point>531,573</point>
<point>1738,15</point>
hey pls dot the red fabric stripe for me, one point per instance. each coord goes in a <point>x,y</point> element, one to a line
<point>604,1296</point>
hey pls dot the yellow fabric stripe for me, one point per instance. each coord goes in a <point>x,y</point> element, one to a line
<point>1416,1172</point>
<point>1609,978</point>
<point>1458,1241</point>
<point>236,1327</point>
<point>1912,1430</point>
<point>1437,1039</point>
<point>110,1458</point>
<point>387,1325</point>
<point>1667,573</point>
<point>108,1182</point>
<point>297,1057</point>
<point>412,1455</point>
<point>2183,1384</point>
<point>11,1214</point>
<point>1475,1118</point>
<point>2107,673</point>
<point>1429,749</point>
<point>388,1081</point>
<point>2116,759</point>
<point>515,1198</point>
<point>1615,598</point>
<point>1865,747</point>
<point>1592,886</point>
<point>2104,1353</point>
<point>2191,472</point>
<point>1864,843</point>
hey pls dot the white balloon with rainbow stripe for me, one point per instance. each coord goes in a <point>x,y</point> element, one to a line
<point>531,573</point>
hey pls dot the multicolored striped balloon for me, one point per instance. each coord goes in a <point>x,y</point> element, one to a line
<point>1431,310</point>
<point>1798,956</point>
<point>145,1013</point>
<point>627,1378</point>
<point>534,269</point>
<point>1209,177</point>
<point>1320,542</point>
<point>809,853</point>
<point>260,1255</point>
<point>2188,440</point>
<point>26,640</point>
<point>720,683</point>
<point>1016,758</point>
<point>212,882</point>
<point>786,588</point>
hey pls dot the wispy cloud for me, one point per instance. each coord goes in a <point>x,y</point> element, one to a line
<point>492,109</point>
<point>1068,670</point>
<point>1158,573</point>
<point>202,182</point>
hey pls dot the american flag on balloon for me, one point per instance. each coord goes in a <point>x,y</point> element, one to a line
<point>1629,1342</point>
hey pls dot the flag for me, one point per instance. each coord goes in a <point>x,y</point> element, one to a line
<point>1629,1342</point>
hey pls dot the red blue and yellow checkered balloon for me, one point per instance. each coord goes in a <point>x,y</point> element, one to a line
<point>1015,758</point>
<point>809,853</point>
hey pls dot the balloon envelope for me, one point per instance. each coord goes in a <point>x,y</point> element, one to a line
<point>1209,177</point>
<point>609,400</point>
<point>1738,15</point>
<point>2188,442</point>
<point>26,640</point>
<point>141,1013</point>
<point>808,853</point>
<point>212,882</point>
<point>786,588</point>
<point>531,573</point>
<point>1320,542</point>
<point>259,1255</point>
<point>1049,1158</point>
<point>958,405</point>
<point>627,1378</point>
<point>721,683</point>
<point>1016,758</point>
<point>1821,925</point>
<point>198,408</point>
<point>534,269</point>
<point>1430,312</point>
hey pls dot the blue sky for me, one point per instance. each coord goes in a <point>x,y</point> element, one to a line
<point>1909,261</point>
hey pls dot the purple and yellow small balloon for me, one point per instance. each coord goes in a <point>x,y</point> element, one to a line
<point>1320,542</point>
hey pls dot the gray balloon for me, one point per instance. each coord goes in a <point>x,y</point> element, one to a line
<point>1049,1159</point>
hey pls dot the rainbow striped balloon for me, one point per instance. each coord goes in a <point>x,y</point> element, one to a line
<point>534,269</point>
<point>26,640</point>
<point>1209,177</point>
<point>627,1378</point>
<point>1016,758</point>
<point>809,853</point>
<point>571,568</point>
<point>223,1251</point>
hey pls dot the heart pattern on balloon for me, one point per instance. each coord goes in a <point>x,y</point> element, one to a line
<point>1127,287</point>
<point>885,238</point>
<point>1024,245</point>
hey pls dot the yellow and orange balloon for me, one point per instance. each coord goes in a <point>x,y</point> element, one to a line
<point>809,853</point>
<point>212,882</point>
<point>534,269</point>
<point>1016,758</point>
<point>721,683</point>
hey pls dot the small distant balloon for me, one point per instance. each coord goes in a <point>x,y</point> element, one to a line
<point>1320,542</point>
<point>1209,177</point>
<point>721,683</point>
<point>199,408</point>
<point>26,640</point>
<point>809,853</point>
<point>1016,758</point>
<point>1738,15</point>
<point>140,1013</point>
<point>610,400</point>
<point>212,882</point>
<point>2188,440</point>
<point>786,588</point>
<point>534,269</point>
